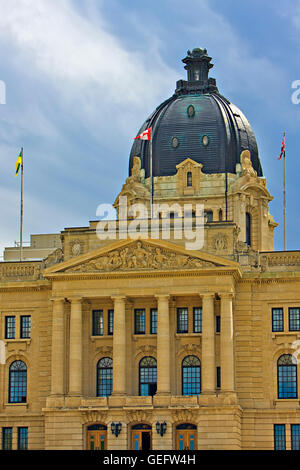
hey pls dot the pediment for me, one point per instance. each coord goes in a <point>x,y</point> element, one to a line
<point>140,255</point>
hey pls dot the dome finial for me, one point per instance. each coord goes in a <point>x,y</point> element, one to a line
<point>197,64</point>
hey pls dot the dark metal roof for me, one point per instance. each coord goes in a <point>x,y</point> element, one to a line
<point>227,129</point>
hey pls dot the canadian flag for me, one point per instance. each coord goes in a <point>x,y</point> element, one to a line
<point>146,135</point>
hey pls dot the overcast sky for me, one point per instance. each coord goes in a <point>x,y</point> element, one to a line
<point>81,77</point>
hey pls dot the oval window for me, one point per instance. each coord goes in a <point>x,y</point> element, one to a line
<point>175,142</point>
<point>191,111</point>
<point>205,140</point>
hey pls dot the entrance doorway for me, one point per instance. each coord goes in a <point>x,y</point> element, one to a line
<point>186,437</point>
<point>97,437</point>
<point>141,436</point>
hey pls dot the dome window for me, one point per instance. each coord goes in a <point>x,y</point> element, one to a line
<point>175,142</point>
<point>205,140</point>
<point>191,111</point>
<point>189,179</point>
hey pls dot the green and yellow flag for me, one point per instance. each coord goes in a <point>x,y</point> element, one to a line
<point>19,162</point>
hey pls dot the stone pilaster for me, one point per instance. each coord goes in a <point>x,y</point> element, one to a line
<point>119,346</point>
<point>75,361</point>
<point>57,348</point>
<point>163,345</point>
<point>208,344</point>
<point>227,354</point>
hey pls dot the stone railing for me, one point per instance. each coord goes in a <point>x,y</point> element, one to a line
<point>25,271</point>
<point>287,260</point>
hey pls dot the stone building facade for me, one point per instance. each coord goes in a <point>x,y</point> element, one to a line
<point>141,343</point>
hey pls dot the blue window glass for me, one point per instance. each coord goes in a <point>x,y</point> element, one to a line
<point>17,382</point>
<point>25,326</point>
<point>7,438</point>
<point>104,377</point>
<point>279,437</point>
<point>98,328</point>
<point>139,321</point>
<point>218,377</point>
<point>148,377</point>
<point>218,324</point>
<point>277,319</point>
<point>110,322</point>
<point>182,320</point>
<point>294,319</point>
<point>197,320</point>
<point>10,327</point>
<point>287,376</point>
<point>22,438</point>
<point>191,376</point>
<point>295,435</point>
<point>153,321</point>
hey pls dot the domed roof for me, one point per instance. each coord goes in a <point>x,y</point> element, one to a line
<point>196,122</point>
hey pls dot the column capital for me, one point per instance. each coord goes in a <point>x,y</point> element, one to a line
<point>162,296</point>
<point>120,298</point>
<point>57,299</point>
<point>74,299</point>
<point>207,295</point>
<point>226,295</point>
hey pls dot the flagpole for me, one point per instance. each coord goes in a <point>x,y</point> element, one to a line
<point>21,215</point>
<point>284,200</point>
<point>151,177</point>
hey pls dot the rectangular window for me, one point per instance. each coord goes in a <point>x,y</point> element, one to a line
<point>294,319</point>
<point>277,319</point>
<point>25,326</point>
<point>139,321</point>
<point>7,438</point>
<point>218,324</point>
<point>295,435</point>
<point>197,320</point>
<point>218,377</point>
<point>22,438</point>
<point>10,327</point>
<point>182,320</point>
<point>110,322</point>
<point>98,323</point>
<point>153,321</point>
<point>279,437</point>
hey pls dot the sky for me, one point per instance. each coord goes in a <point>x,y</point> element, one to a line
<point>81,76</point>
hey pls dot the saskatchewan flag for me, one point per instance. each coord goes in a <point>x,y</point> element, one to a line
<point>19,162</point>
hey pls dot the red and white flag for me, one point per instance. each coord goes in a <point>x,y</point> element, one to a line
<point>146,135</point>
<point>282,148</point>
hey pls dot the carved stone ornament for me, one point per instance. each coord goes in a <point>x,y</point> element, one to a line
<point>94,416</point>
<point>139,416</point>
<point>105,350</point>
<point>55,257</point>
<point>146,349</point>
<point>141,256</point>
<point>189,349</point>
<point>184,416</point>
<point>76,247</point>
<point>220,242</point>
<point>247,168</point>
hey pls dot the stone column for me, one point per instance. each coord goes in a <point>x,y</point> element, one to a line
<point>226,337</point>
<point>163,345</point>
<point>208,344</point>
<point>57,348</point>
<point>75,361</point>
<point>119,346</point>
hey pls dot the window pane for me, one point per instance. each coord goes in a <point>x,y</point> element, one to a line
<point>104,377</point>
<point>218,324</point>
<point>97,322</point>
<point>139,315</point>
<point>287,381</point>
<point>10,326</point>
<point>279,437</point>
<point>25,326</point>
<point>191,376</point>
<point>277,319</point>
<point>295,433</point>
<point>218,377</point>
<point>7,438</point>
<point>22,438</point>
<point>197,320</point>
<point>110,322</point>
<point>153,328</point>
<point>294,319</point>
<point>182,320</point>
<point>17,382</point>
<point>148,376</point>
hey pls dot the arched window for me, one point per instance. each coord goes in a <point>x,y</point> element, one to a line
<point>17,382</point>
<point>189,179</point>
<point>191,376</point>
<point>104,377</point>
<point>148,377</point>
<point>220,215</point>
<point>248,229</point>
<point>287,376</point>
<point>208,216</point>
